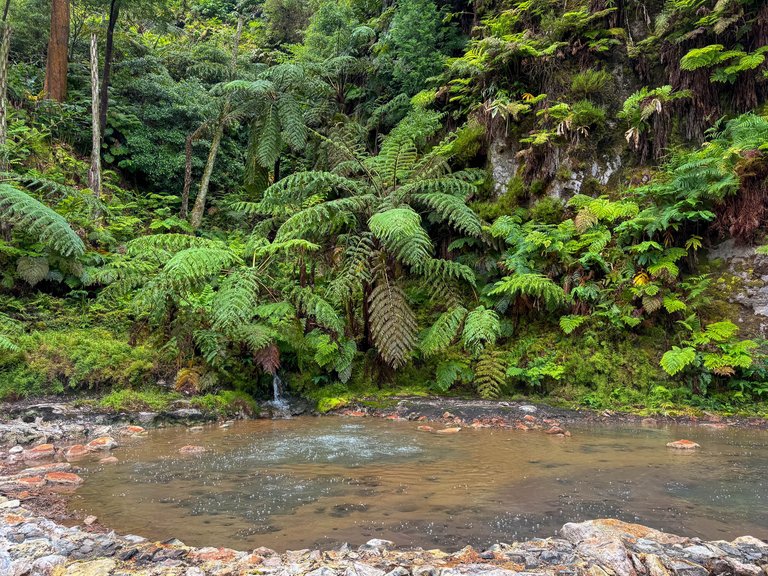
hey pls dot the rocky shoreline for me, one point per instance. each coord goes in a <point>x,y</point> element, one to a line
<point>40,445</point>
<point>34,545</point>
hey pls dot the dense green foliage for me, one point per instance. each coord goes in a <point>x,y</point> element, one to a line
<point>486,198</point>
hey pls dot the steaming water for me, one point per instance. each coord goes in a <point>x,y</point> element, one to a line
<point>306,482</point>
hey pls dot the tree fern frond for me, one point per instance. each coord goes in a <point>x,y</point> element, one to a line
<point>169,243</point>
<point>33,217</point>
<point>454,210</point>
<point>443,332</point>
<point>234,302</point>
<point>401,233</point>
<point>490,374</point>
<point>437,269</point>
<point>193,266</point>
<point>317,307</point>
<point>481,329</point>
<point>532,284</point>
<point>393,323</point>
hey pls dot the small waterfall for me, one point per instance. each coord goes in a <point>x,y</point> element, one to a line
<point>279,403</point>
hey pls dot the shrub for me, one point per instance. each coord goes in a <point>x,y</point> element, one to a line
<point>589,82</point>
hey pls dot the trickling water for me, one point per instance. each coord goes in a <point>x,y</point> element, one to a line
<point>277,387</point>
<point>291,484</point>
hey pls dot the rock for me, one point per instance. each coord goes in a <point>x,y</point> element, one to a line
<point>40,452</point>
<point>376,545</point>
<point>76,451</point>
<point>322,571</point>
<point>555,430</point>
<point>16,450</point>
<point>191,449</point>
<point>63,478</point>
<point>399,571</point>
<point>194,571</point>
<point>683,445</point>
<point>449,431</point>
<point>47,565</point>
<point>101,443</point>
<point>89,520</point>
<point>425,571</point>
<point>360,569</point>
<point>54,467</point>
<point>425,429</point>
<point>575,532</point>
<point>24,483</point>
<point>101,567</point>
<point>132,430</point>
<point>528,409</point>
<point>108,460</point>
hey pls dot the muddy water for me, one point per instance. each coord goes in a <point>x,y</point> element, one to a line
<point>322,481</point>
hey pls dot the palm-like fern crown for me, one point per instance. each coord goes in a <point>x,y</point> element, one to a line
<point>369,211</point>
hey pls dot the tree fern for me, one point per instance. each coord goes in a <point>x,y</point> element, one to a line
<point>235,300</point>
<point>481,329</point>
<point>452,209</point>
<point>401,233</point>
<point>490,374</point>
<point>316,307</point>
<point>449,371</point>
<point>392,323</point>
<point>32,270</point>
<point>443,332</point>
<point>34,217</point>
<point>533,285</point>
<point>192,266</point>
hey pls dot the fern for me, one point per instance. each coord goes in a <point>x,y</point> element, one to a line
<point>481,329</point>
<point>33,217</point>
<point>193,266</point>
<point>677,359</point>
<point>443,332</point>
<point>454,210</point>
<point>316,307</point>
<point>570,323</point>
<point>490,374</point>
<point>401,233</point>
<point>392,323</point>
<point>235,300</point>
<point>448,372</point>
<point>533,285</point>
<point>32,270</point>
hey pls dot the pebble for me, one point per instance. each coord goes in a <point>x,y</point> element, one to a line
<point>101,443</point>
<point>528,409</point>
<point>683,445</point>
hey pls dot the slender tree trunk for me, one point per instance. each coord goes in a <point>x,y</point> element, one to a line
<point>191,139</point>
<point>198,209</point>
<point>58,48</point>
<point>114,14</point>
<point>5,10</point>
<point>94,174</point>
<point>5,45</point>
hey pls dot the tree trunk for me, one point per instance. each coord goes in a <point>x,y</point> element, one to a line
<point>114,14</point>
<point>198,209</point>
<point>94,174</point>
<point>5,45</point>
<point>58,44</point>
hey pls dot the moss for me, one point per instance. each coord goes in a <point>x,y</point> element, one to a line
<point>148,400</point>
<point>227,403</point>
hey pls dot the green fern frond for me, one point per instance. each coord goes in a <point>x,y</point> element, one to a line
<point>677,359</point>
<point>234,302</point>
<point>194,266</point>
<point>32,270</point>
<point>490,374</point>
<point>401,233</point>
<point>571,322</point>
<point>7,345</point>
<point>443,332</point>
<point>481,329</point>
<point>533,285</point>
<point>439,270</point>
<point>33,217</point>
<point>316,307</point>
<point>392,323</point>
<point>448,372</point>
<point>168,243</point>
<point>454,210</point>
